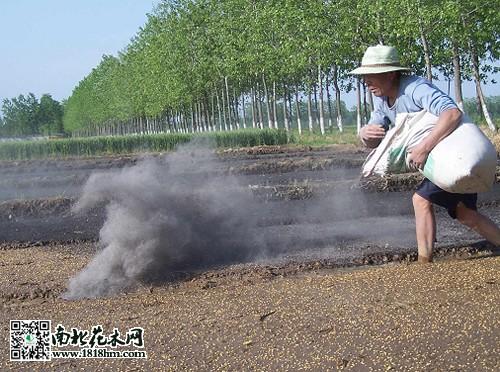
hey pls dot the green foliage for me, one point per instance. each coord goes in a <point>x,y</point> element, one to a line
<point>348,136</point>
<point>249,137</point>
<point>94,146</point>
<point>472,109</point>
<point>27,116</point>
<point>188,49</point>
<point>49,116</point>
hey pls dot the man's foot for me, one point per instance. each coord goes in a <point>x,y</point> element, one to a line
<point>424,260</point>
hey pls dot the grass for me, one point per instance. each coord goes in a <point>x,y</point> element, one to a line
<point>115,145</point>
<point>332,136</point>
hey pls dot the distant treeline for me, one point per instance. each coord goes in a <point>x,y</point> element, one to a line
<point>26,116</point>
<point>219,64</point>
<point>473,108</point>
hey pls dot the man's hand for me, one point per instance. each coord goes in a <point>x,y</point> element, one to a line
<point>418,156</point>
<point>372,134</point>
<point>447,122</point>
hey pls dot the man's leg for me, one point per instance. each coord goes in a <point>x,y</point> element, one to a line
<point>479,223</point>
<point>425,223</point>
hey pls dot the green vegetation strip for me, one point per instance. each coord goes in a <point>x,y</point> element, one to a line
<point>82,147</point>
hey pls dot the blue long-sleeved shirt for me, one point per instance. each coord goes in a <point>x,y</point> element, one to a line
<point>415,94</point>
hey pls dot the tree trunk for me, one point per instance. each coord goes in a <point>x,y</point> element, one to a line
<point>193,119</point>
<point>358,105</point>
<point>169,120</point>
<point>214,122</point>
<point>268,104</point>
<point>179,119</point>
<point>219,109</point>
<point>244,111</point>
<point>174,125</point>
<point>228,105</point>
<point>337,99</point>
<point>290,107</point>
<point>427,52</point>
<point>223,101</point>
<point>207,115</point>
<point>315,110</point>
<point>457,77</point>
<point>365,106</point>
<point>478,101</point>
<point>203,114</point>
<point>309,109</point>
<point>320,87</point>
<point>204,117</point>
<point>186,122</point>
<point>275,116</point>
<point>297,108</point>
<point>480,95</point>
<point>199,119</point>
<point>182,123</point>
<point>259,108</point>
<point>285,111</point>
<point>196,122</point>
<point>201,126</point>
<point>329,102</point>
<point>236,109</point>
<point>252,97</point>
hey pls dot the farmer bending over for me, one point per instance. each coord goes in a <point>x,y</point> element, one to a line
<point>403,93</point>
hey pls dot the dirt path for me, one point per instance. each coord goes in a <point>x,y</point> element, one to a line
<point>443,316</point>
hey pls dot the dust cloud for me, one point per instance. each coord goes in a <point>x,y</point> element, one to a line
<point>165,215</point>
<point>185,212</point>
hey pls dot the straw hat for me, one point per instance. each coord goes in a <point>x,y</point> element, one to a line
<point>378,59</point>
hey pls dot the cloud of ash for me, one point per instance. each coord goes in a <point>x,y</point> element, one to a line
<point>183,212</point>
<point>167,214</point>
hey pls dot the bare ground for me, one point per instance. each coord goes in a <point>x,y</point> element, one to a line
<point>309,304</point>
<point>401,316</point>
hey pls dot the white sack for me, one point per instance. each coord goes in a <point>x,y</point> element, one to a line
<point>463,162</point>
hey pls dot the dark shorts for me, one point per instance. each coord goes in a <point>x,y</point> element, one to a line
<point>448,200</point>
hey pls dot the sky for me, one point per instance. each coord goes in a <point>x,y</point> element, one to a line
<point>49,46</point>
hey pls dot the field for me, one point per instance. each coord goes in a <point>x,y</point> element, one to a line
<point>261,258</point>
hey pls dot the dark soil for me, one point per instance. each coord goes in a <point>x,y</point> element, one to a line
<point>293,184</point>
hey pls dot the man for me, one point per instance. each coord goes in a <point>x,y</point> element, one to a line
<point>396,92</point>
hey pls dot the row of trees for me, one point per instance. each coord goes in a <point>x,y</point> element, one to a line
<point>217,64</point>
<point>28,116</point>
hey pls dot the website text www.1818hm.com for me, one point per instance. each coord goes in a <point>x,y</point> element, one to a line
<point>98,353</point>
